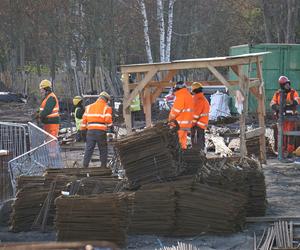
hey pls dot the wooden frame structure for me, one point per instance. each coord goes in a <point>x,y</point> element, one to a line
<point>149,88</point>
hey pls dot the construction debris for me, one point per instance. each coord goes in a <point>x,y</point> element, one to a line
<point>180,246</point>
<point>88,218</point>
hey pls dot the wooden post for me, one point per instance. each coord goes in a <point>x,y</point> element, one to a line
<point>261,110</point>
<point>244,91</point>
<point>147,106</point>
<point>126,109</point>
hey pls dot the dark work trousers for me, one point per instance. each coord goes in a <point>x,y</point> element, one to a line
<point>94,137</point>
<point>198,138</point>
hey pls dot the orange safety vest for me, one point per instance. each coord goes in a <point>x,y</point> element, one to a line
<point>55,110</point>
<point>290,97</point>
<point>201,110</point>
<point>97,116</point>
<point>182,110</point>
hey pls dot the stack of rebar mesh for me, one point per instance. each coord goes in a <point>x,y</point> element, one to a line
<point>184,207</point>
<point>31,193</point>
<point>242,176</point>
<point>151,155</point>
<point>36,194</point>
<point>194,159</point>
<point>91,218</point>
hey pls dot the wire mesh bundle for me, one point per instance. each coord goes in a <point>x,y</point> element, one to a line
<point>153,211</point>
<point>95,217</point>
<point>208,209</point>
<point>194,160</point>
<point>31,193</point>
<point>151,155</point>
<point>238,175</point>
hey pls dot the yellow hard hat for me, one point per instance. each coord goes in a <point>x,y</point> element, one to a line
<point>45,84</point>
<point>196,85</point>
<point>77,99</point>
<point>105,94</point>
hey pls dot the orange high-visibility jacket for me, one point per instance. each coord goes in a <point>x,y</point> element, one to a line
<point>182,110</point>
<point>97,116</point>
<point>55,110</point>
<point>290,97</point>
<point>201,110</point>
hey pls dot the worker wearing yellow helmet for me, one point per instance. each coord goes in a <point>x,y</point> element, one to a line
<point>78,113</point>
<point>200,118</point>
<point>96,121</point>
<point>49,109</point>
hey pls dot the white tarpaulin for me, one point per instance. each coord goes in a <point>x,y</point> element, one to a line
<point>219,106</point>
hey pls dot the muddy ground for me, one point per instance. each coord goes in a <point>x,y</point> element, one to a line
<point>283,196</point>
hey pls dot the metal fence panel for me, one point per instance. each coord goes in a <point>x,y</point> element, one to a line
<point>13,137</point>
<point>44,153</point>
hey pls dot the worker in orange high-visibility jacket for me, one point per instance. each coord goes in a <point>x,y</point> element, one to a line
<point>182,112</point>
<point>200,119</point>
<point>289,109</point>
<point>96,121</point>
<point>49,110</point>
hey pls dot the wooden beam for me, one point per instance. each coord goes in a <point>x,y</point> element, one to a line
<point>126,110</point>
<point>147,106</point>
<point>244,89</point>
<point>160,88</point>
<point>141,85</point>
<point>272,218</point>
<point>171,84</point>
<point>218,75</point>
<point>189,64</point>
<point>254,133</point>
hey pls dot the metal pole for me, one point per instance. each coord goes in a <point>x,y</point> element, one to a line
<point>280,124</point>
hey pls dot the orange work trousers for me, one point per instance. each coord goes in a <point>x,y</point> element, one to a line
<point>52,129</point>
<point>182,136</point>
<point>288,141</point>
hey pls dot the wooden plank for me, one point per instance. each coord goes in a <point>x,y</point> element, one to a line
<point>272,218</point>
<point>254,133</point>
<point>141,85</point>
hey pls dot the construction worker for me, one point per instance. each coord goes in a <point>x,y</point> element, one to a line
<point>78,113</point>
<point>289,109</point>
<point>49,110</point>
<point>201,114</point>
<point>97,119</point>
<point>182,112</point>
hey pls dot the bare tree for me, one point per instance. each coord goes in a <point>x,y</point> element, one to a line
<point>146,30</point>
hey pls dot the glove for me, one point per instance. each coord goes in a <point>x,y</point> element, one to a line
<point>295,103</point>
<point>275,107</point>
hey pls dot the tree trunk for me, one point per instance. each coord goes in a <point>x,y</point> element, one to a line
<point>146,30</point>
<point>267,21</point>
<point>169,31</point>
<point>161,27</point>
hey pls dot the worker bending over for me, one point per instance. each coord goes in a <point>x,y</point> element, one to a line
<point>200,121</point>
<point>290,102</point>
<point>78,114</point>
<point>182,112</point>
<point>49,110</point>
<point>97,118</point>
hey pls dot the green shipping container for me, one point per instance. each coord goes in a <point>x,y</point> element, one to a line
<point>284,60</point>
